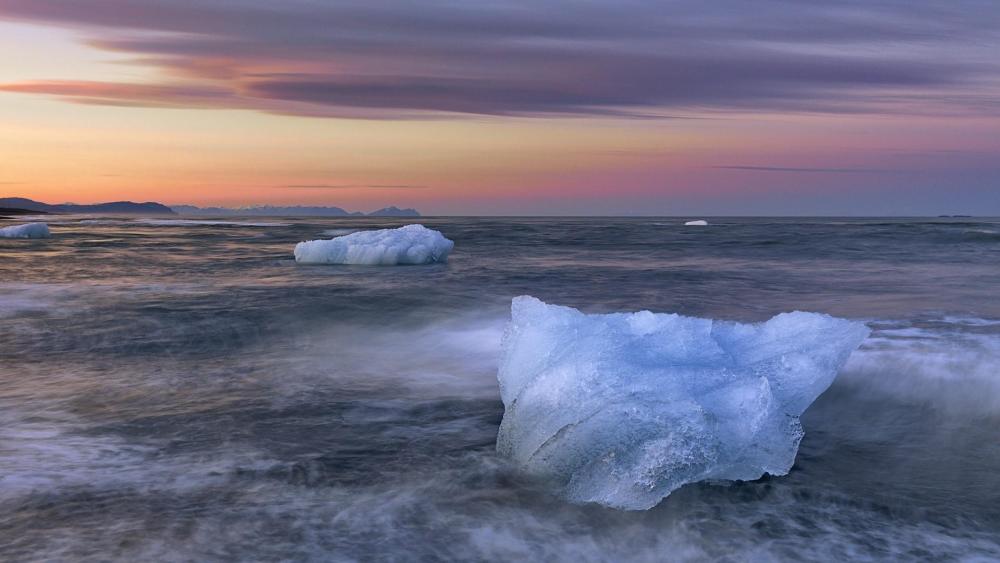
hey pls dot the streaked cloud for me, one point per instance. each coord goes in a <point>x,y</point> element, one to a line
<point>809,170</point>
<point>353,187</point>
<point>147,95</point>
<point>518,58</point>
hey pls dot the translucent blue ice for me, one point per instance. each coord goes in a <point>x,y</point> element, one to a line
<point>622,409</point>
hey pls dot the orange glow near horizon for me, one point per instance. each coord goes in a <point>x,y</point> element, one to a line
<point>56,150</point>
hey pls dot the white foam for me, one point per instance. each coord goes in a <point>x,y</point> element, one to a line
<point>622,409</point>
<point>698,223</point>
<point>54,452</point>
<point>16,299</point>
<point>412,244</point>
<point>951,367</point>
<point>28,230</point>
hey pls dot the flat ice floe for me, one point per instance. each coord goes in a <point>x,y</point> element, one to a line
<point>29,230</point>
<point>412,244</point>
<point>622,409</point>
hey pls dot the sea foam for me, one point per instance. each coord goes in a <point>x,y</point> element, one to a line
<point>622,409</point>
<point>412,244</point>
<point>28,230</point>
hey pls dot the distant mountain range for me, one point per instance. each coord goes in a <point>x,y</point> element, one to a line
<point>114,207</point>
<point>21,205</point>
<point>393,211</point>
<point>296,210</point>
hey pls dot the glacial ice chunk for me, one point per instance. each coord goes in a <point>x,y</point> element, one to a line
<point>412,244</point>
<point>622,409</point>
<point>28,230</point>
<point>697,223</point>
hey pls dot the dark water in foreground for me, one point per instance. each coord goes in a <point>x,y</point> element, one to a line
<point>186,392</point>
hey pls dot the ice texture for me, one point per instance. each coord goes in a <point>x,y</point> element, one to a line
<point>412,244</point>
<point>697,223</point>
<point>624,408</point>
<point>28,230</point>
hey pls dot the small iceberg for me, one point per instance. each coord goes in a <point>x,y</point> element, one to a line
<point>622,409</point>
<point>28,230</point>
<point>412,244</point>
<point>698,223</point>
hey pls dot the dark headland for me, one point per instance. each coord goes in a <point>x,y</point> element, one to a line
<point>14,211</point>
<point>10,206</point>
<point>113,207</point>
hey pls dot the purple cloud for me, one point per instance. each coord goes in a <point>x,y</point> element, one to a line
<point>390,59</point>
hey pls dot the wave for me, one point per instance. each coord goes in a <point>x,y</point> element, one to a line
<point>454,505</point>
<point>210,223</point>
<point>339,232</point>
<point>342,437</point>
<point>950,364</point>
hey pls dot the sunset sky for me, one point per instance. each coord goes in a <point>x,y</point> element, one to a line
<point>859,107</point>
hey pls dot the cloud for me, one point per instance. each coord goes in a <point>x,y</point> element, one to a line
<point>353,187</point>
<point>515,57</point>
<point>111,93</point>
<point>809,170</point>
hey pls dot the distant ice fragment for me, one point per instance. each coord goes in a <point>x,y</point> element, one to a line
<point>28,230</point>
<point>698,223</point>
<point>622,409</point>
<point>412,244</point>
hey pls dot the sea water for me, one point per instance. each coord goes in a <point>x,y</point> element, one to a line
<point>187,391</point>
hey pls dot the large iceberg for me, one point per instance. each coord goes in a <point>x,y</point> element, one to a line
<point>412,244</point>
<point>622,409</point>
<point>28,230</point>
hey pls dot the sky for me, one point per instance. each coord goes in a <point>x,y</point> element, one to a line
<point>533,107</point>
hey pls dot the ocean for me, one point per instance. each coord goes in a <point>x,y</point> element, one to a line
<point>183,390</point>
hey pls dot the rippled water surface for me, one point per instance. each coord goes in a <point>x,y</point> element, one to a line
<point>184,391</point>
